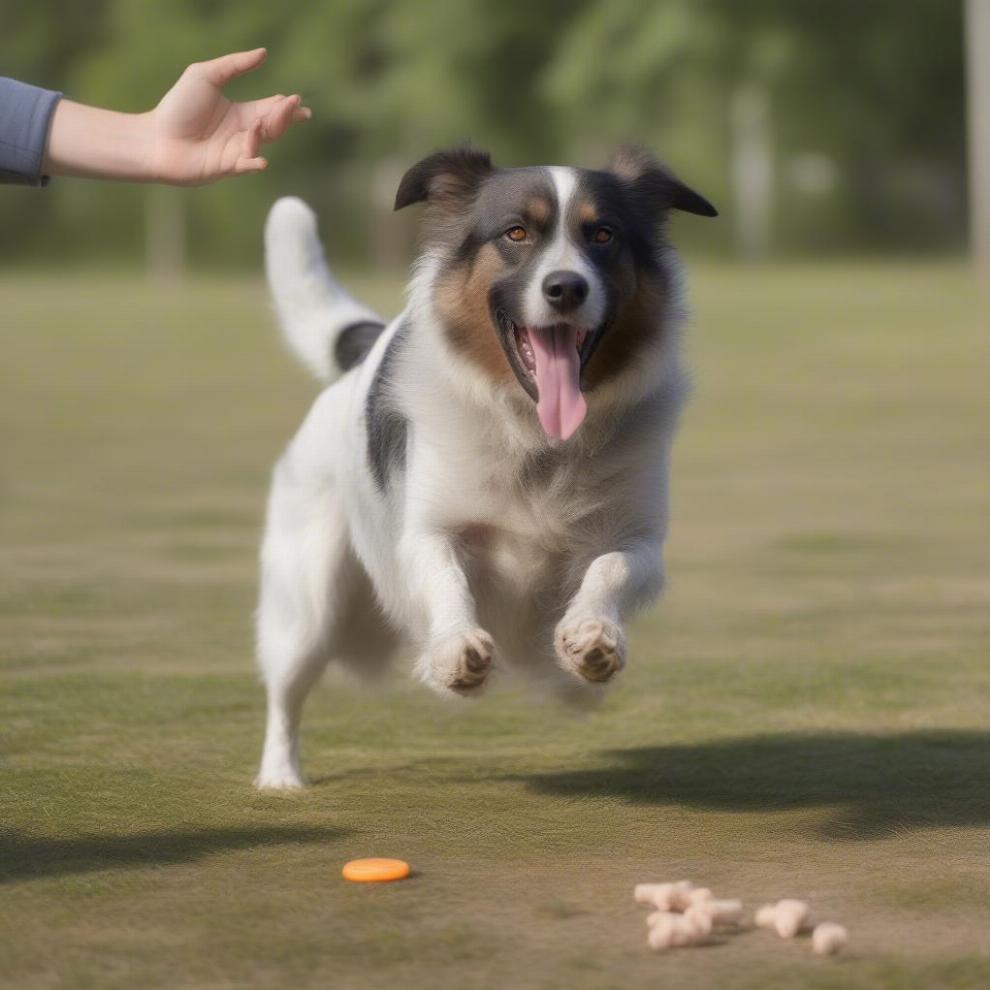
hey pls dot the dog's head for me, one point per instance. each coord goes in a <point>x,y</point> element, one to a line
<point>552,276</point>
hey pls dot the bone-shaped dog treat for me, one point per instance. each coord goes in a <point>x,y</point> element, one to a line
<point>669,930</point>
<point>700,917</point>
<point>697,895</point>
<point>687,914</point>
<point>787,917</point>
<point>720,912</point>
<point>697,916</point>
<point>682,896</point>
<point>828,938</point>
<point>665,896</point>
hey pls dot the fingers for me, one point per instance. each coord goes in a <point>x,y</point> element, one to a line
<point>260,107</point>
<point>282,111</point>
<point>245,165</point>
<point>278,118</point>
<point>252,141</point>
<point>281,115</point>
<point>221,70</point>
<point>249,160</point>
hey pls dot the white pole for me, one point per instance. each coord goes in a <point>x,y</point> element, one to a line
<point>165,233</point>
<point>978,57</point>
<point>752,171</point>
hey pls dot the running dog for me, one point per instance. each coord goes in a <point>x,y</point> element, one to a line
<point>485,481</point>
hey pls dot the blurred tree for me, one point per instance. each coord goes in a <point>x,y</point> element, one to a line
<point>41,42</point>
<point>146,46</point>
<point>868,95</point>
<point>877,87</point>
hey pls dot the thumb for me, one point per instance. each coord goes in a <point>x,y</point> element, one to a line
<point>221,70</point>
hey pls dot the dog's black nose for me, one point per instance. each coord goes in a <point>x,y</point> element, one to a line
<point>565,290</point>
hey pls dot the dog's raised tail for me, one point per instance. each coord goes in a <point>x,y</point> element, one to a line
<point>326,328</point>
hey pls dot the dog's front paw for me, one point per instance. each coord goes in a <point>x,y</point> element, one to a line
<point>279,775</point>
<point>459,663</point>
<point>591,647</point>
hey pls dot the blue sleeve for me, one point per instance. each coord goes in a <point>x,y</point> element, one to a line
<point>25,117</point>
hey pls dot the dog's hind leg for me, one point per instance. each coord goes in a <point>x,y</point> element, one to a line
<point>304,588</point>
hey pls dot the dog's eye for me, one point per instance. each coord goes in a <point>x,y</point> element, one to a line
<point>516,234</point>
<point>601,236</point>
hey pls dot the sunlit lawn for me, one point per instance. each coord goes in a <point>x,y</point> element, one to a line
<point>807,714</point>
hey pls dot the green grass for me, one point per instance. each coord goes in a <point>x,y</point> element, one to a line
<point>805,715</point>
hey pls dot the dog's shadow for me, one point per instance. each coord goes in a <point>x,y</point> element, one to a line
<point>875,784</point>
<point>26,857</point>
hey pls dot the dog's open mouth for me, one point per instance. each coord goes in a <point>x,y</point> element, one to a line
<point>522,337</point>
<point>548,361</point>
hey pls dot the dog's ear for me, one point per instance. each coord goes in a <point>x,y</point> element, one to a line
<point>446,176</point>
<point>655,185</point>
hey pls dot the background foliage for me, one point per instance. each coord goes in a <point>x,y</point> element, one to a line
<point>876,90</point>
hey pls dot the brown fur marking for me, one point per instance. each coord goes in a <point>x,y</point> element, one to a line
<point>587,212</point>
<point>461,297</point>
<point>538,210</point>
<point>637,322</point>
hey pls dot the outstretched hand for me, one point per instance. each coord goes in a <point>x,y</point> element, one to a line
<point>198,135</point>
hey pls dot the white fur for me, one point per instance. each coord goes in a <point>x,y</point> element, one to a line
<point>459,559</point>
<point>304,291</point>
<point>562,254</point>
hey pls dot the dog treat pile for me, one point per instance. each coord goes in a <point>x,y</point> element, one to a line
<point>687,915</point>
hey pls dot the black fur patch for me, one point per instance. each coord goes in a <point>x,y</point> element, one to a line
<point>386,426</point>
<point>353,343</point>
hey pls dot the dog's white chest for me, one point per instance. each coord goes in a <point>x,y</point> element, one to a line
<point>513,560</point>
<point>518,538</point>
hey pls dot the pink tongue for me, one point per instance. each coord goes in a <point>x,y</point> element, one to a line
<point>561,406</point>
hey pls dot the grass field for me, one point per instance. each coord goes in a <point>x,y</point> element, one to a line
<point>807,714</point>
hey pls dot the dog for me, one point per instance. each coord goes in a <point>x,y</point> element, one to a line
<point>485,480</point>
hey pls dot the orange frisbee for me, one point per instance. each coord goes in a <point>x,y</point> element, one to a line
<point>375,870</point>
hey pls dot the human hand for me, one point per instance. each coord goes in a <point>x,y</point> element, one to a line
<point>196,135</point>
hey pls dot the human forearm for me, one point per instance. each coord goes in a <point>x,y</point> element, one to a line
<point>88,142</point>
<point>193,136</point>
